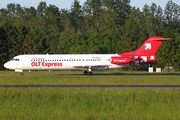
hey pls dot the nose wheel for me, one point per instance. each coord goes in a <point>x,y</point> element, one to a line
<point>22,74</point>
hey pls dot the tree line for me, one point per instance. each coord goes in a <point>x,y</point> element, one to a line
<point>98,26</point>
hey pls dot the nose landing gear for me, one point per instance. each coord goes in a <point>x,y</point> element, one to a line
<point>22,74</point>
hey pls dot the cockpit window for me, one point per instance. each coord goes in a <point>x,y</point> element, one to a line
<point>15,59</point>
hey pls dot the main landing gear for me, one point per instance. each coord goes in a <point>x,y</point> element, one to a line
<point>88,72</point>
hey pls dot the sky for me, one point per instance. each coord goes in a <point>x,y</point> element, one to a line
<point>66,4</point>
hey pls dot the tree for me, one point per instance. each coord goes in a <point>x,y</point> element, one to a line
<point>166,53</point>
<point>3,47</point>
<point>41,8</point>
<point>171,14</point>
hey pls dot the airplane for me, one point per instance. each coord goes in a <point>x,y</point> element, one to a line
<point>87,62</point>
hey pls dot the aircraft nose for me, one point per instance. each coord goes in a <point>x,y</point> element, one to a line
<point>7,65</point>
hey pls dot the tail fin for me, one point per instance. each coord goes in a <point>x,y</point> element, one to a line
<point>151,45</point>
<point>146,53</point>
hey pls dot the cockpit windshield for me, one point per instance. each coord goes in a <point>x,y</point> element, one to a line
<point>15,59</point>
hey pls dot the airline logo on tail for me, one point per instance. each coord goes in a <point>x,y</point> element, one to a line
<point>148,46</point>
<point>151,45</point>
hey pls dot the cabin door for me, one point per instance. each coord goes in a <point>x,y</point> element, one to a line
<point>26,61</point>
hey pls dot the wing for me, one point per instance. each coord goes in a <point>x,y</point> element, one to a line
<point>87,66</point>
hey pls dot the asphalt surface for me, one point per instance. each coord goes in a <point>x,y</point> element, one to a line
<point>95,86</point>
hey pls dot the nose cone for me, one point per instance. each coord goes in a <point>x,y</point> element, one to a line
<point>8,65</point>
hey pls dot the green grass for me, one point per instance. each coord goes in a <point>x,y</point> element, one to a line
<point>62,77</point>
<point>89,104</point>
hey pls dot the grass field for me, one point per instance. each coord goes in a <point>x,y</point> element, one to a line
<point>88,103</point>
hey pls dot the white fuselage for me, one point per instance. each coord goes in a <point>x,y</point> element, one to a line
<point>62,62</point>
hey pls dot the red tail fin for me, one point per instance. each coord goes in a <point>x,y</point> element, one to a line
<point>151,45</point>
<point>146,53</point>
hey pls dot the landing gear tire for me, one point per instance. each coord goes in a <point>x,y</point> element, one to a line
<point>85,72</point>
<point>90,73</point>
<point>22,74</point>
